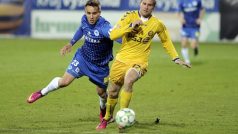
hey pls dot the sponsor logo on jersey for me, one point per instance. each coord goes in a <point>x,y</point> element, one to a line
<point>91,40</point>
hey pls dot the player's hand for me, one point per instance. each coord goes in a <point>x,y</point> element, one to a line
<point>198,21</point>
<point>136,24</point>
<point>66,49</point>
<point>182,63</point>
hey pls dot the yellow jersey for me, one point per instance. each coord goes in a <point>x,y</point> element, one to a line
<point>136,44</point>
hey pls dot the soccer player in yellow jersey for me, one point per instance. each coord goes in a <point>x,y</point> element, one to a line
<point>136,28</point>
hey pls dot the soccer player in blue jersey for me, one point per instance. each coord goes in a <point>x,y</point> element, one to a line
<point>190,14</point>
<point>90,60</point>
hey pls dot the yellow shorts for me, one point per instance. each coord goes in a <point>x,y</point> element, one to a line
<point>119,69</point>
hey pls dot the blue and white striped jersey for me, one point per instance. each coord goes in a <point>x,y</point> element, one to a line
<point>191,10</point>
<point>97,46</point>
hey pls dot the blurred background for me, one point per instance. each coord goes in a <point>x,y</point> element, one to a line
<point>201,100</point>
<point>52,19</point>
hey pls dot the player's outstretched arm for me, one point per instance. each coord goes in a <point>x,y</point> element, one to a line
<point>66,49</point>
<point>182,63</point>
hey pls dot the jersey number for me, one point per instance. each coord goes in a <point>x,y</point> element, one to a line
<point>75,63</point>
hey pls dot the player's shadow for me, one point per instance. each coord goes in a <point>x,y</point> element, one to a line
<point>151,126</point>
<point>198,63</point>
<point>173,124</point>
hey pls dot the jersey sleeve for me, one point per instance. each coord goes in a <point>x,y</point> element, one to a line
<point>78,35</point>
<point>122,27</point>
<point>105,29</point>
<point>166,40</point>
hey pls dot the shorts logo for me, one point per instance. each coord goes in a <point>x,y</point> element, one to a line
<point>77,70</point>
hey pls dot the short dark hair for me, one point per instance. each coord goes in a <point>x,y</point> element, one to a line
<point>93,3</point>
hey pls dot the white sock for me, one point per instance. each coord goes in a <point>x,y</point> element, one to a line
<point>185,55</point>
<point>53,85</point>
<point>102,102</point>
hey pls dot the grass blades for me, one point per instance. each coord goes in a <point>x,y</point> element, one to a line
<point>200,100</point>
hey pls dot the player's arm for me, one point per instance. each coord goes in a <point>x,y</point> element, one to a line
<point>67,48</point>
<point>201,13</point>
<point>105,29</point>
<point>78,35</point>
<point>122,27</point>
<point>168,45</point>
<point>118,31</point>
<point>180,13</point>
<point>166,41</point>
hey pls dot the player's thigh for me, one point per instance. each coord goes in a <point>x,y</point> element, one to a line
<point>184,37</point>
<point>194,33</point>
<point>194,37</point>
<point>99,76</point>
<point>134,73</point>
<point>117,72</point>
<point>77,66</point>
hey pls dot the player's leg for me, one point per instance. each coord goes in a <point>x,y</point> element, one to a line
<point>185,50</point>
<point>194,41</point>
<point>194,45</point>
<point>132,75</point>
<point>56,83</point>
<point>102,101</point>
<point>185,44</point>
<point>116,80</point>
<point>113,92</point>
<point>98,76</point>
<point>72,72</point>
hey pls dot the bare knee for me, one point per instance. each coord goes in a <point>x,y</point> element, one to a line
<point>64,82</point>
<point>102,92</point>
<point>113,94</point>
<point>113,91</point>
<point>128,83</point>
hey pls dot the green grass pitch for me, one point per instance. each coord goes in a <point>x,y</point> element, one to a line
<point>200,100</point>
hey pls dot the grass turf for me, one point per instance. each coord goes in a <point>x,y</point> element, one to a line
<point>200,100</point>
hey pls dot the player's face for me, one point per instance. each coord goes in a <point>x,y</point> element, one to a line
<point>146,7</point>
<point>92,13</point>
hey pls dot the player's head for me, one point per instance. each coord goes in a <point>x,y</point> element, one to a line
<point>146,7</point>
<point>92,11</point>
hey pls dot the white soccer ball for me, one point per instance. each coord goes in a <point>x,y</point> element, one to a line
<point>125,117</point>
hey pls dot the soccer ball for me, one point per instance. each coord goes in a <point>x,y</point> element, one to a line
<point>125,117</point>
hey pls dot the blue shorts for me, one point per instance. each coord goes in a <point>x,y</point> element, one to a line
<point>191,33</point>
<point>80,67</point>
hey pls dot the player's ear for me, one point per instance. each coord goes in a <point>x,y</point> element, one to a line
<point>85,11</point>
